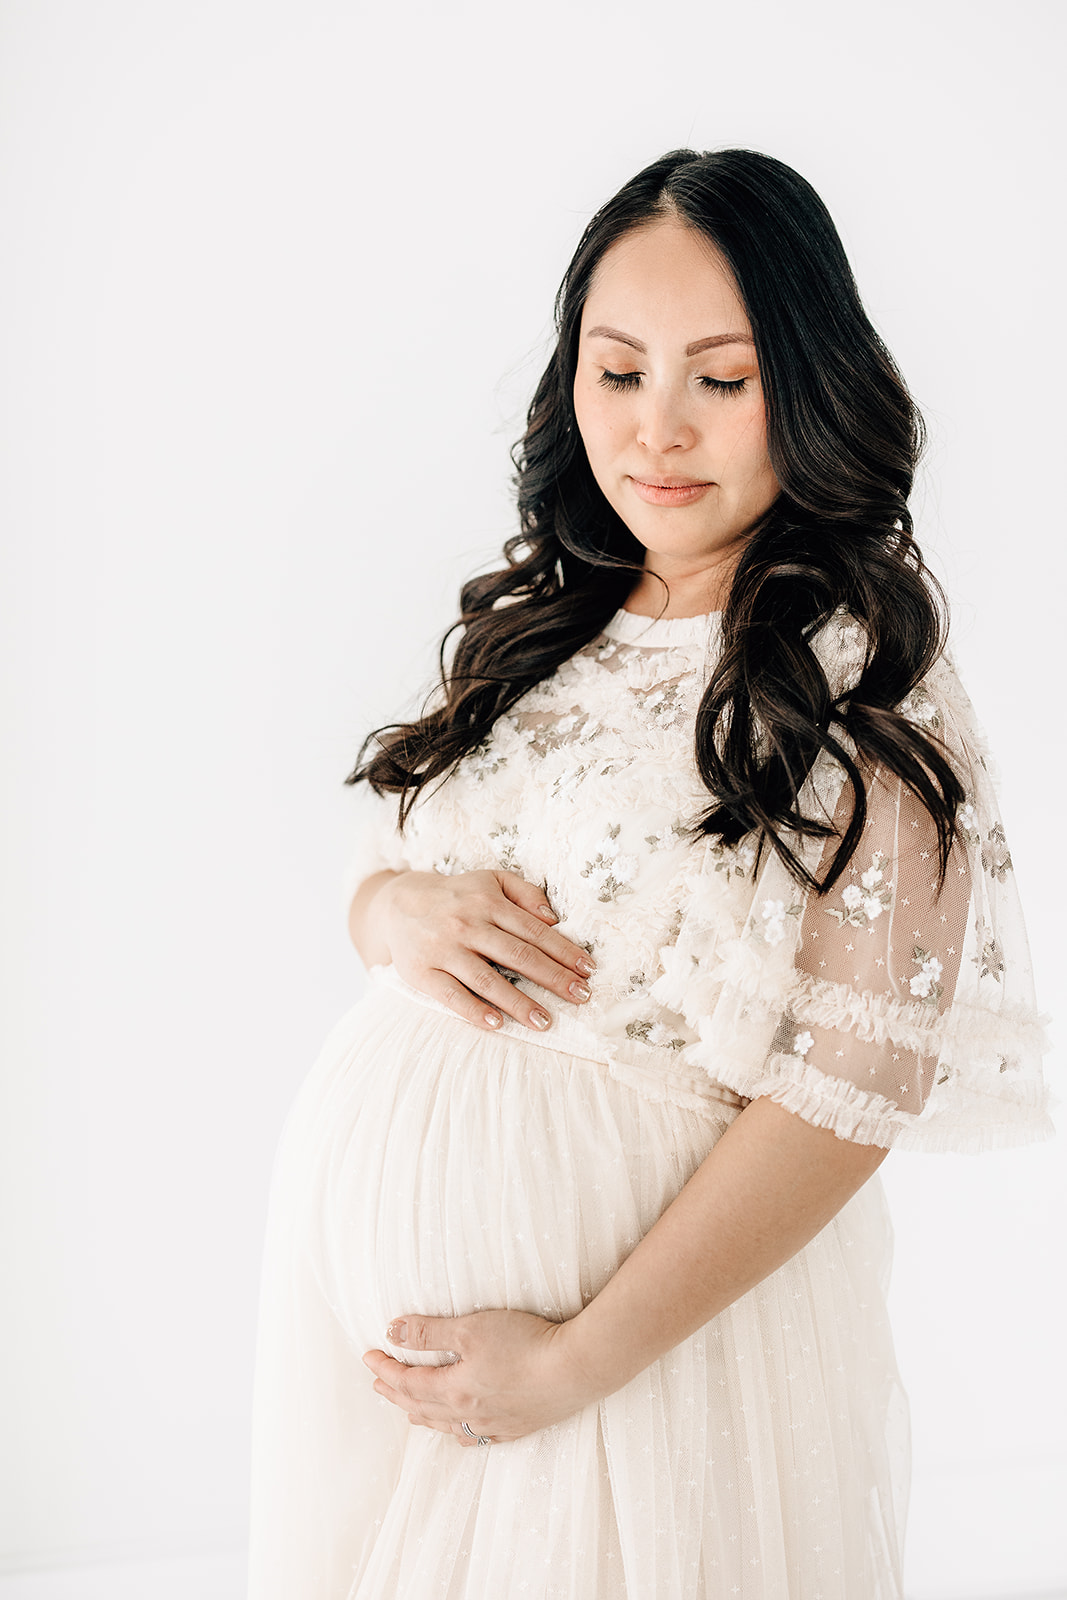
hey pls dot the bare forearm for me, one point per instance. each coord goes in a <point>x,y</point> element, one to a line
<point>372,949</point>
<point>771,1183</point>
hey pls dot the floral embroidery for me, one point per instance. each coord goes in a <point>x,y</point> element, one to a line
<point>925,986</point>
<point>802,1044</point>
<point>666,837</point>
<point>549,733</point>
<point>967,822</point>
<point>772,917</point>
<point>735,860</point>
<point>865,901</point>
<point>654,1033</point>
<point>665,704</point>
<point>921,707</point>
<point>996,857</point>
<point>485,759</point>
<point>504,840</point>
<point>571,778</point>
<point>610,872</point>
<point>990,963</point>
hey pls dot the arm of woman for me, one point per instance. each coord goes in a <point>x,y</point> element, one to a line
<point>448,935</point>
<point>770,1184</point>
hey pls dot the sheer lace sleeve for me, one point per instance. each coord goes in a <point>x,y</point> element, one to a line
<point>878,966</point>
<point>895,1008</point>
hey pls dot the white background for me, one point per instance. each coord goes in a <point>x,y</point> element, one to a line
<point>274,290</point>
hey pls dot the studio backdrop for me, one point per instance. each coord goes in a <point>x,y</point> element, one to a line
<point>276,285</point>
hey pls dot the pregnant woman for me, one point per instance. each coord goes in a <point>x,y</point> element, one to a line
<point>686,900</point>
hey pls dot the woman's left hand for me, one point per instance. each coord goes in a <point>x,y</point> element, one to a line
<point>513,1374</point>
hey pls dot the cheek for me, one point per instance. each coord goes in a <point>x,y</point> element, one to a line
<point>748,445</point>
<point>601,426</point>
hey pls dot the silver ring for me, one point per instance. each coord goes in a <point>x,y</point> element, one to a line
<point>469,1431</point>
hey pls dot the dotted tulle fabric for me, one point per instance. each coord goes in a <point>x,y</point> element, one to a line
<point>428,1166</point>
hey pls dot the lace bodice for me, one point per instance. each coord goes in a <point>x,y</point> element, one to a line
<point>890,1010</point>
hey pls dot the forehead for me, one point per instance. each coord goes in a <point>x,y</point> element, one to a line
<point>667,277</point>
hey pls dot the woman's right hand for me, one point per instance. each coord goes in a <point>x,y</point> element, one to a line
<point>446,936</point>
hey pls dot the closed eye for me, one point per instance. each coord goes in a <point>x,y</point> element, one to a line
<point>620,380</point>
<point>725,385</point>
<point>630,380</point>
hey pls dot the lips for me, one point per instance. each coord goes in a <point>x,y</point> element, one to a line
<point>672,490</point>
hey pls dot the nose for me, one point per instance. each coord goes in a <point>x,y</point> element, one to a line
<point>664,423</point>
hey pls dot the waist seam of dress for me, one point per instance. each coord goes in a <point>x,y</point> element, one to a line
<point>706,1097</point>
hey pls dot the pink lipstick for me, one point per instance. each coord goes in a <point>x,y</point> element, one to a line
<point>669,491</point>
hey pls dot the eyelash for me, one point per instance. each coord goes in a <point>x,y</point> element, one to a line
<point>629,380</point>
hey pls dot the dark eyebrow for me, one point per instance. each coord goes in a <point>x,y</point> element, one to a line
<point>693,349</point>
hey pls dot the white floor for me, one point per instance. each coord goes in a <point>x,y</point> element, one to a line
<point>214,1578</point>
<point>201,1578</point>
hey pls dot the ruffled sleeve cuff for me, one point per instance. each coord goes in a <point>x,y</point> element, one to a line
<point>970,1085</point>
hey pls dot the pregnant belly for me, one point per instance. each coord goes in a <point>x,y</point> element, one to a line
<point>446,1170</point>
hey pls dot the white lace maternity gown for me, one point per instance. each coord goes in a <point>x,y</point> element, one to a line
<point>428,1166</point>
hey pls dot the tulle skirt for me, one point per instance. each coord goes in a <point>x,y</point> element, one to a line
<point>429,1167</point>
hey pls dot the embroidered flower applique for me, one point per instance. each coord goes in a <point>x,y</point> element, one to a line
<point>736,861</point>
<point>921,707</point>
<point>551,733</point>
<point>609,872</point>
<point>504,839</point>
<point>802,1044</point>
<point>771,925</point>
<point>967,822</point>
<point>654,1033</point>
<point>572,777</point>
<point>990,962</point>
<point>996,857</point>
<point>865,901</point>
<point>663,704</point>
<point>924,985</point>
<point>485,759</point>
<point>666,837</point>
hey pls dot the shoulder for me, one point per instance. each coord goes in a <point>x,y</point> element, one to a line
<point>841,647</point>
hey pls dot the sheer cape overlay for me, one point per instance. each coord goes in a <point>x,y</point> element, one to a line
<point>894,1010</point>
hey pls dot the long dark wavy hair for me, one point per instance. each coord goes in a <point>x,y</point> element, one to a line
<point>843,436</point>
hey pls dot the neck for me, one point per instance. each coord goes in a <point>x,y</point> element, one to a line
<point>674,588</point>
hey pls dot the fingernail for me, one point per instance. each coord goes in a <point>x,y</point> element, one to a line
<point>492,1020</point>
<point>396,1332</point>
<point>540,1019</point>
<point>581,991</point>
<point>584,964</point>
<point>548,913</point>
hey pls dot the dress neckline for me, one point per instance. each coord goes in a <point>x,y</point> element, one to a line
<point>626,627</point>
